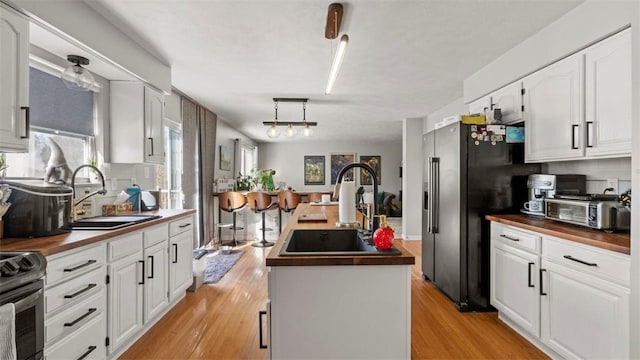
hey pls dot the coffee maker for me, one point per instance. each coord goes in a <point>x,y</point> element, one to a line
<point>543,186</point>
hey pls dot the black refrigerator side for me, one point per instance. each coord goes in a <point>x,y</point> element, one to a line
<point>496,183</point>
<point>428,249</point>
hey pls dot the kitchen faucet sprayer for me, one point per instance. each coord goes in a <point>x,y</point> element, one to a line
<point>375,220</point>
<point>102,191</point>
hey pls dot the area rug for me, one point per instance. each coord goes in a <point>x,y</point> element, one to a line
<point>219,264</point>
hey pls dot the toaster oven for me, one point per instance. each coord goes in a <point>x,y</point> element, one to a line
<point>606,215</point>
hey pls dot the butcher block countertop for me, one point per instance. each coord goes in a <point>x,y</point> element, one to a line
<point>619,242</point>
<point>50,245</point>
<point>331,214</point>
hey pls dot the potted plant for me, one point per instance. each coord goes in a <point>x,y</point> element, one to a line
<point>260,178</point>
<point>244,182</point>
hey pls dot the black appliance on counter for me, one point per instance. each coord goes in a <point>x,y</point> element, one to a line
<point>21,284</point>
<point>469,172</point>
<point>38,208</point>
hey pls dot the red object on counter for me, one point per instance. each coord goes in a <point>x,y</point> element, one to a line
<point>383,236</point>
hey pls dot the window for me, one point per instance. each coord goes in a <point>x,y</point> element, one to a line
<point>64,115</point>
<point>248,159</point>
<point>173,167</point>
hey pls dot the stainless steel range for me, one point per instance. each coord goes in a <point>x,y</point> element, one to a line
<point>21,283</point>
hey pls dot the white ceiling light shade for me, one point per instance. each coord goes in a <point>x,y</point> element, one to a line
<point>291,131</point>
<point>337,63</point>
<point>75,77</point>
<point>307,131</point>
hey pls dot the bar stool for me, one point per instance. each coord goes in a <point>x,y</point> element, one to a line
<point>260,203</point>
<point>314,197</point>
<point>287,202</point>
<point>232,202</point>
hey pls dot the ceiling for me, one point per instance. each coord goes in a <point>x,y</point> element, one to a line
<point>404,58</point>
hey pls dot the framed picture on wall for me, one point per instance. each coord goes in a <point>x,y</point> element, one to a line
<point>225,158</point>
<point>338,161</point>
<point>314,166</point>
<point>374,162</point>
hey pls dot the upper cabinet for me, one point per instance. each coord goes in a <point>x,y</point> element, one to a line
<point>553,111</point>
<point>508,99</point>
<point>14,81</point>
<point>136,123</point>
<point>580,106</point>
<point>608,97</point>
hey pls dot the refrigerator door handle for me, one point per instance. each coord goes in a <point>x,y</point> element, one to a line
<point>435,196</point>
<point>429,197</point>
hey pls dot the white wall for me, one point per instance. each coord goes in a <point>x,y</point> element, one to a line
<point>412,178</point>
<point>577,29</point>
<point>597,172</point>
<point>456,107</point>
<point>94,33</point>
<point>226,136</point>
<point>288,161</point>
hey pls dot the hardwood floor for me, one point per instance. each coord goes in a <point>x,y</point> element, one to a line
<point>220,321</point>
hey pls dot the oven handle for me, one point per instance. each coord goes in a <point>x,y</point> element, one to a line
<point>27,300</point>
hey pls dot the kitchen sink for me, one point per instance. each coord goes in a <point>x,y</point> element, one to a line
<point>331,242</point>
<point>110,222</point>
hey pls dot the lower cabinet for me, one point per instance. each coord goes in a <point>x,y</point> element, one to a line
<point>180,256</point>
<point>125,287</point>
<point>571,300</point>
<point>156,285</point>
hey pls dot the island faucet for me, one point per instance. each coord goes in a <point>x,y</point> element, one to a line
<point>102,191</point>
<point>374,179</point>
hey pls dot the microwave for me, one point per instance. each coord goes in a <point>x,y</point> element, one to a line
<point>604,215</point>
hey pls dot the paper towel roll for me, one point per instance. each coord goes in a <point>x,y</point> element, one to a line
<point>347,202</point>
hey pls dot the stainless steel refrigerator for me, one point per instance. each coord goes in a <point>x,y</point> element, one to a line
<point>469,172</point>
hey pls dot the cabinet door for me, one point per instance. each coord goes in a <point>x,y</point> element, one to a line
<point>181,269</point>
<point>14,81</point>
<point>156,281</point>
<point>480,106</point>
<point>153,115</point>
<point>553,111</point>
<point>514,287</point>
<point>608,96</point>
<point>125,299</point>
<point>583,316</point>
<point>509,100</point>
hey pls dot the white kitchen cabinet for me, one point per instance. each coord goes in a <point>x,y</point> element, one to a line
<point>553,112</point>
<point>14,81</point>
<point>156,282</point>
<point>608,97</point>
<point>573,303</point>
<point>509,100</point>
<point>583,317</point>
<point>180,256</point>
<point>514,278</point>
<point>126,284</point>
<point>480,106</point>
<point>137,111</point>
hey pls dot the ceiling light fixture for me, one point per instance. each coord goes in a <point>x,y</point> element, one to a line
<point>331,31</point>
<point>273,132</point>
<point>75,77</point>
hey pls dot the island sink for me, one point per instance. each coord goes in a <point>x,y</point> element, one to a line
<point>334,242</point>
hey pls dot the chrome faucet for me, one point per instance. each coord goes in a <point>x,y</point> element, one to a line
<point>374,179</point>
<point>102,191</point>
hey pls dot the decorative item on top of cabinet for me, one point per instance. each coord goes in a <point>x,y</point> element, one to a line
<point>580,106</point>
<point>14,81</point>
<point>507,101</point>
<point>137,111</point>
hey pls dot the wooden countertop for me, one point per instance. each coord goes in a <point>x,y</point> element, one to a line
<point>619,242</point>
<point>50,245</point>
<point>331,212</point>
<point>275,193</point>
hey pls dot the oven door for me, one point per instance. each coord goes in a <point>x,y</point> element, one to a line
<point>29,303</point>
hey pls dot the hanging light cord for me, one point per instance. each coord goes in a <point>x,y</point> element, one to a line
<point>276,106</point>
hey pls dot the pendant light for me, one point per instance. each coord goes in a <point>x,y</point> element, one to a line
<point>307,131</point>
<point>75,77</point>
<point>273,131</point>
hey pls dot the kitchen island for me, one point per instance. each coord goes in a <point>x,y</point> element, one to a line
<point>337,306</point>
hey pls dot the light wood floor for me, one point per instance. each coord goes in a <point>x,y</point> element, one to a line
<point>220,321</point>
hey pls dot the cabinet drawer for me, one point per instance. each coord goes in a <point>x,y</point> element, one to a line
<point>515,237</point>
<point>74,291</point>
<point>75,317</point>
<point>155,235</point>
<point>86,343</point>
<point>73,263</point>
<point>125,245</point>
<point>603,263</point>
<point>180,226</point>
